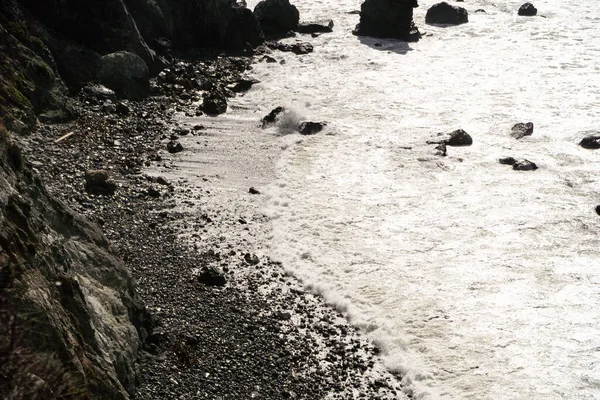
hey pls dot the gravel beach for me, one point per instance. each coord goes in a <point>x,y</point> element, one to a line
<point>228,323</point>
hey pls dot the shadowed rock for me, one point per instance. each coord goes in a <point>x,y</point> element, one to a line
<point>272,117</point>
<point>527,10</point>
<point>99,182</point>
<point>524,165</point>
<point>315,27</point>
<point>507,161</point>
<point>590,142</point>
<point>459,138</point>
<point>310,128</point>
<point>126,74</point>
<point>214,103</point>
<point>388,19</point>
<point>444,13</point>
<point>276,16</point>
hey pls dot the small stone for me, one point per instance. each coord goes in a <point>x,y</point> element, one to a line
<point>310,128</point>
<point>521,130</point>
<point>590,142</point>
<point>211,276</point>
<point>252,190</point>
<point>283,315</point>
<point>174,147</point>
<point>251,259</point>
<point>152,192</point>
<point>440,150</point>
<point>272,117</point>
<point>598,209</point>
<point>122,108</point>
<point>507,161</point>
<point>459,138</point>
<point>524,165</point>
<point>527,10</point>
<point>99,182</point>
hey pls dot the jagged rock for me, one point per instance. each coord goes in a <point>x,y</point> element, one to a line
<point>214,103</point>
<point>388,19</point>
<point>302,48</point>
<point>126,74</point>
<point>99,182</point>
<point>211,276</point>
<point>590,142</point>
<point>174,147</point>
<point>459,138</point>
<point>524,165</point>
<point>520,130</point>
<point>276,16</point>
<point>527,10</point>
<point>272,117</point>
<point>315,27</point>
<point>310,128</point>
<point>444,13</point>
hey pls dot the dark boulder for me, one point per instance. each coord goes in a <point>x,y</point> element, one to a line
<point>527,10</point>
<point>272,117</point>
<point>276,16</point>
<point>458,138</point>
<point>444,13</point>
<point>214,103</point>
<point>251,259</point>
<point>597,209</point>
<point>126,74</point>
<point>211,276</point>
<point>590,142</point>
<point>388,19</point>
<point>174,147</point>
<point>310,128</point>
<point>243,85</point>
<point>520,130</point>
<point>524,165</point>
<point>315,27</point>
<point>302,48</point>
<point>507,161</point>
<point>99,182</point>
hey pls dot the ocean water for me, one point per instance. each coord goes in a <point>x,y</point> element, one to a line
<point>477,281</point>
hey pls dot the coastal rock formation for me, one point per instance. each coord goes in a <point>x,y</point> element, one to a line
<point>527,10</point>
<point>590,142</point>
<point>520,130</point>
<point>68,309</point>
<point>388,19</point>
<point>126,74</point>
<point>444,13</point>
<point>277,16</point>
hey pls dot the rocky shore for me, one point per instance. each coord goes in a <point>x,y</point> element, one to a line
<point>227,321</point>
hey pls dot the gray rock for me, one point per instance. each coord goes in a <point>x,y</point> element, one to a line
<point>520,130</point>
<point>459,138</point>
<point>590,142</point>
<point>524,165</point>
<point>315,27</point>
<point>126,74</point>
<point>251,259</point>
<point>507,161</point>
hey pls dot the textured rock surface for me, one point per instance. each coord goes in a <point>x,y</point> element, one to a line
<point>444,13</point>
<point>67,302</point>
<point>277,16</point>
<point>126,74</point>
<point>388,19</point>
<point>527,10</point>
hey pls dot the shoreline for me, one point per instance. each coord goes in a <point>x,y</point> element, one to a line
<point>259,336</point>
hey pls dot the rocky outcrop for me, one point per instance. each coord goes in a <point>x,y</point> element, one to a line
<point>444,13</point>
<point>277,17</point>
<point>388,19</point>
<point>68,309</point>
<point>527,10</point>
<point>126,74</point>
<point>520,130</point>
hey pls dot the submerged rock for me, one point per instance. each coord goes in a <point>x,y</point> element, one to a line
<point>388,19</point>
<point>590,142</point>
<point>527,10</point>
<point>444,13</point>
<point>459,138</point>
<point>520,130</point>
<point>310,128</point>
<point>524,165</point>
<point>276,16</point>
<point>272,117</point>
<point>126,74</point>
<point>507,160</point>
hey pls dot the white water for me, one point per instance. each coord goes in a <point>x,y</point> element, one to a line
<point>478,282</point>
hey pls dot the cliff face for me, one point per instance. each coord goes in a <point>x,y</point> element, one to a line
<point>67,303</point>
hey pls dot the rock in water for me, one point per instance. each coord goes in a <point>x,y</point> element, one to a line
<point>272,117</point>
<point>527,10</point>
<point>459,138</point>
<point>310,128</point>
<point>521,130</point>
<point>276,16</point>
<point>126,74</point>
<point>302,48</point>
<point>444,13</point>
<point>99,182</point>
<point>315,27</point>
<point>598,209</point>
<point>524,165</point>
<point>507,161</point>
<point>251,259</point>
<point>590,142</point>
<point>388,19</point>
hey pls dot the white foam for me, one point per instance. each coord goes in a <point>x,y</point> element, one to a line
<point>478,282</point>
